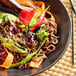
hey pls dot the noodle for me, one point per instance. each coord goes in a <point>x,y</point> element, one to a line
<point>24,39</point>
<point>50,48</point>
<point>54,41</point>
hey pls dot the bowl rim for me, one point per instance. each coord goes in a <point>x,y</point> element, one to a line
<point>66,46</point>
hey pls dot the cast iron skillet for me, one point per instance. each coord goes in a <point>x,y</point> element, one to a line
<point>64,32</point>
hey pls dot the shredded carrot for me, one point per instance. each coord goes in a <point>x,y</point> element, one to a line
<point>8,60</point>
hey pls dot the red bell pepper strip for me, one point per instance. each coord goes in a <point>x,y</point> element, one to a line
<point>41,18</point>
<point>26,15</point>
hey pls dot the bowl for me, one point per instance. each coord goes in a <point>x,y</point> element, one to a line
<point>64,33</point>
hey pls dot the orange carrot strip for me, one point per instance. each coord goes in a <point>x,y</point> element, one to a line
<point>8,60</point>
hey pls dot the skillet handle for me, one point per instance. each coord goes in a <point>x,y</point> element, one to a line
<point>11,3</point>
<point>8,10</point>
<point>10,6</point>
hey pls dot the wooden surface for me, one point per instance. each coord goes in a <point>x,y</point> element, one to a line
<point>64,66</point>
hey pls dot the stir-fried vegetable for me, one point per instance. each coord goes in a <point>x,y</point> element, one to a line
<point>7,17</point>
<point>42,32</point>
<point>12,18</point>
<point>37,61</point>
<point>26,29</point>
<point>2,16</point>
<point>21,26</point>
<point>26,3</point>
<point>33,22</point>
<point>26,15</point>
<point>41,18</point>
<point>1,37</point>
<point>7,63</point>
<point>29,57</point>
<point>25,60</point>
<point>13,46</point>
<point>25,36</point>
<point>19,39</point>
<point>30,26</point>
<point>40,8</point>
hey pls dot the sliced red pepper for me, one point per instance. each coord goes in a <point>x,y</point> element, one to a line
<point>40,20</point>
<point>38,23</point>
<point>26,15</point>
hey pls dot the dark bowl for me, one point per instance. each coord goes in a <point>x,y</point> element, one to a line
<point>64,32</point>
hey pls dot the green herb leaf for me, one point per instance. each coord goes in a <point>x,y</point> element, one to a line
<point>21,26</point>
<point>20,34</point>
<point>1,37</point>
<point>6,19</point>
<point>2,15</point>
<point>19,39</point>
<point>26,29</point>
<point>42,32</point>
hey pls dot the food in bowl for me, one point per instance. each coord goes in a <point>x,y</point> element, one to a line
<point>27,46</point>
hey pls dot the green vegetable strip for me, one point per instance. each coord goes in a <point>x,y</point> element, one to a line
<point>42,32</point>
<point>1,37</point>
<point>29,57</point>
<point>46,9</point>
<point>12,46</point>
<point>41,44</point>
<point>12,17</point>
<point>33,22</point>
<point>21,26</point>
<point>7,17</point>
<point>37,54</point>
